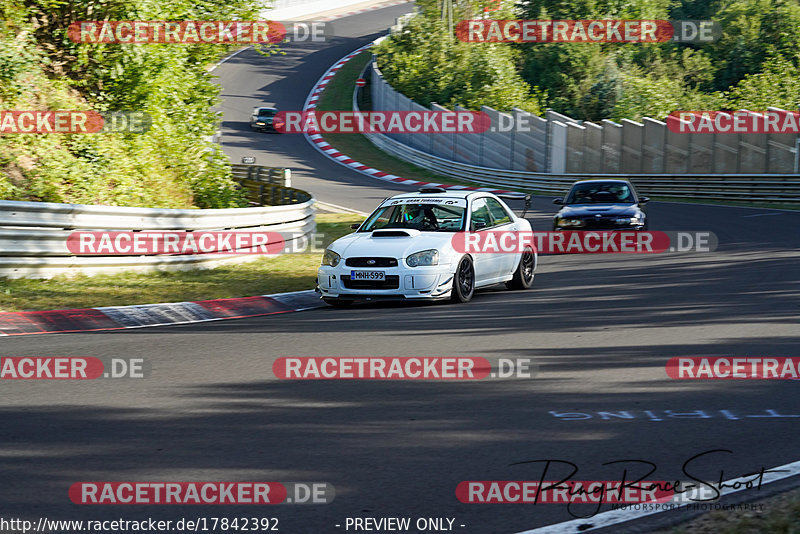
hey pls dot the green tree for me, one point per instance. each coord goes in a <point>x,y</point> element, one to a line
<point>777,85</point>
<point>427,65</point>
<point>172,164</point>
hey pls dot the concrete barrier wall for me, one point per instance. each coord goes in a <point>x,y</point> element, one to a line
<point>556,143</point>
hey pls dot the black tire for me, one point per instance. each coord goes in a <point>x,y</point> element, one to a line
<point>338,303</point>
<point>523,276</point>
<point>463,281</point>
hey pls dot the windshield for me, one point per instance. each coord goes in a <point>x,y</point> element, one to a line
<point>417,216</point>
<point>266,112</point>
<point>601,193</point>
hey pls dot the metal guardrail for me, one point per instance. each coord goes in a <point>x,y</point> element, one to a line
<point>268,186</point>
<point>271,175</point>
<point>742,187</point>
<point>769,188</point>
<point>33,235</point>
<point>259,194</point>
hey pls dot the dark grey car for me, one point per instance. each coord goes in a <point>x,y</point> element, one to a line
<point>263,118</point>
<point>601,205</point>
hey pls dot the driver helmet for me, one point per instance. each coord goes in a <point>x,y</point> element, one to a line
<point>620,191</point>
<point>414,213</point>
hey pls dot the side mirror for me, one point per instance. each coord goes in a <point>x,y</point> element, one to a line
<point>644,200</point>
<point>527,205</point>
<point>559,201</point>
<point>355,226</point>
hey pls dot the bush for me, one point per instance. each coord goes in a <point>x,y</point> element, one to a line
<point>171,165</point>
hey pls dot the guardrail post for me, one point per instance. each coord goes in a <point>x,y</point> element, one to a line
<point>797,156</point>
<point>261,195</point>
<point>482,138</point>
<point>547,141</point>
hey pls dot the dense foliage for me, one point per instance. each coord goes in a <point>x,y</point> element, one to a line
<point>171,165</point>
<point>755,64</point>
<point>427,64</point>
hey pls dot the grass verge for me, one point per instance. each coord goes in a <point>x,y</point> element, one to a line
<point>290,272</point>
<point>338,96</point>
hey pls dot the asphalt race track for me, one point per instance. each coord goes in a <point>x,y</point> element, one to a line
<point>250,80</point>
<point>600,328</point>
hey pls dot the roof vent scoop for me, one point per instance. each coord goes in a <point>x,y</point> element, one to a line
<point>433,190</point>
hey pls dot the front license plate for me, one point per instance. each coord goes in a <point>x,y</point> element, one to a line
<point>368,275</point>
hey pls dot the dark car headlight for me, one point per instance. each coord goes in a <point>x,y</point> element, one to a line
<point>570,223</point>
<point>628,220</point>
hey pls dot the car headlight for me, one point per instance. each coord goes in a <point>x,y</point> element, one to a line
<point>331,258</point>
<point>424,257</point>
<point>570,222</point>
<point>628,220</point>
<point>259,123</point>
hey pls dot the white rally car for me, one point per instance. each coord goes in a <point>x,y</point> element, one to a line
<point>405,250</point>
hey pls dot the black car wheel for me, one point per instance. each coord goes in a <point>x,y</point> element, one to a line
<point>463,281</point>
<point>523,276</point>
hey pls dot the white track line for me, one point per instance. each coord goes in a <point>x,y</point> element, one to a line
<point>762,215</point>
<point>336,207</point>
<point>223,60</point>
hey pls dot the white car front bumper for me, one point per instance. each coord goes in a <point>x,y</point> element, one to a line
<point>434,282</point>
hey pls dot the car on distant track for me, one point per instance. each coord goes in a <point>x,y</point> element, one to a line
<point>263,119</point>
<point>405,250</point>
<point>601,205</point>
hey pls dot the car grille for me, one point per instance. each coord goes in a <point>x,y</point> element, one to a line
<point>603,223</point>
<point>392,282</point>
<point>379,262</point>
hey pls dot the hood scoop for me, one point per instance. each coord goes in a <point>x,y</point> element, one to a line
<point>393,233</point>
